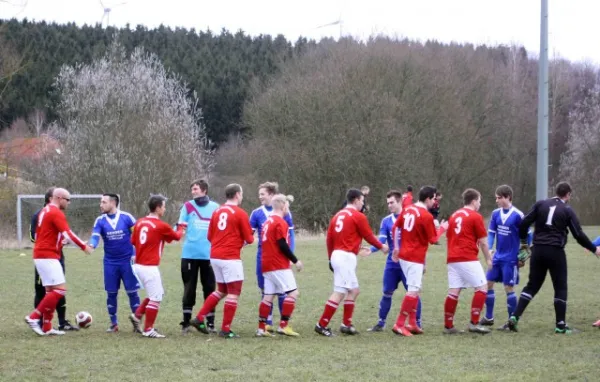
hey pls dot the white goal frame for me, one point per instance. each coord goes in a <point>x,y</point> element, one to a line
<point>41,196</point>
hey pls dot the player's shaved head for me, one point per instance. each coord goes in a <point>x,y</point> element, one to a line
<point>60,193</point>
<point>279,202</point>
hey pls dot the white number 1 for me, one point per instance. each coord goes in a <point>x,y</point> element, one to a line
<point>550,215</point>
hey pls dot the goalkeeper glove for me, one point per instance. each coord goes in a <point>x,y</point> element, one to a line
<point>524,254</point>
<point>330,267</point>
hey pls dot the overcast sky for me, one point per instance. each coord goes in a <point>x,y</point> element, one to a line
<point>574,27</point>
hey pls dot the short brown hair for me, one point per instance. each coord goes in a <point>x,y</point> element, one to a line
<point>271,187</point>
<point>562,189</point>
<point>156,201</point>
<point>394,193</point>
<point>231,190</point>
<point>505,191</point>
<point>469,195</point>
<point>203,184</point>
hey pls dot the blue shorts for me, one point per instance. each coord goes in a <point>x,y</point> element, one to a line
<point>114,273</point>
<point>392,277</point>
<point>505,272</point>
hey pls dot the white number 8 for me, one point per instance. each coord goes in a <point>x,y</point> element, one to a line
<point>222,224</point>
<point>143,235</point>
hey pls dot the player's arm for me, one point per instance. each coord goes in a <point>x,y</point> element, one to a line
<point>481,233</point>
<point>435,234</point>
<point>365,231</point>
<point>96,234</point>
<point>169,234</point>
<point>578,233</point>
<point>384,230</point>
<point>291,231</point>
<point>60,222</point>
<point>254,224</point>
<point>246,229</point>
<point>183,215</point>
<point>596,241</point>
<point>329,239</point>
<point>492,227</point>
<point>33,226</point>
<point>527,221</point>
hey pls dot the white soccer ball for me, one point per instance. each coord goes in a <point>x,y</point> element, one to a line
<point>84,320</point>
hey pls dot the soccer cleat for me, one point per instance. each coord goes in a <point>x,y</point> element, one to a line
<point>287,331</point>
<point>503,328</point>
<point>136,323</point>
<point>486,321</point>
<point>152,333</point>
<point>596,324</point>
<point>350,330</point>
<point>185,327</point>
<point>35,326</point>
<point>565,330</point>
<point>113,328</point>
<point>269,328</point>
<point>452,330</point>
<point>199,325</point>
<point>478,329</point>
<point>414,329</point>
<point>401,331</point>
<point>211,328</point>
<point>512,323</point>
<point>324,331</point>
<point>228,335</point>
<point>376,328</point>
<point>67,326</point>
<point>263,333</point>
<point>54,332</point>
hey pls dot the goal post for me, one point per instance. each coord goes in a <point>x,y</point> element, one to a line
<point>81,214</point>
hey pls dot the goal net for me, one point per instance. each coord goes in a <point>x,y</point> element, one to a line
<point>81,214</point>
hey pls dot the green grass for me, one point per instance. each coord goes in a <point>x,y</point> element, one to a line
<point>535,353</point>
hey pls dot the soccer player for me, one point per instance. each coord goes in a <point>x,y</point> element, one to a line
<point>416,226</point>
<point>40,291</point>
<point>195,256</point>
<point>504,230</point>
<point>275,264</point>
<point>466,235</point>
<point>392,274</point>
<point>114,227</point>
<point>346,231</point>
<point>365,191</point>
<point>407,197</point>
<point>258,217</point>
<point>552,219</point>
<point>149,237</point>
<point>229,229</point>
<point>52,229</point>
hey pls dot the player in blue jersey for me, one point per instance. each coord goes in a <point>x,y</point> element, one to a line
<point>259,216</point>
<point>392,274</point>
<point>114,227</point>
<point>195,255</point>
<point>504,230</point>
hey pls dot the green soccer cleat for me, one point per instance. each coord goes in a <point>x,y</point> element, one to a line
<point>199,325</point>
<point>512,324</point>
<point>565,330</point>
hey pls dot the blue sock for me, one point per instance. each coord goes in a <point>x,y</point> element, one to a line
<point>419,313</point>
<point>134,300</point>
<point>111,306</point>
<point>489,304</point>
<point>384,308</point>
<point>511,303</point>
<point>280,298</point>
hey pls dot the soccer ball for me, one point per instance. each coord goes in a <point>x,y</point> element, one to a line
<point>84,320</point>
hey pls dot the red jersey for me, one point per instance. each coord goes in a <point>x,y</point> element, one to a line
<point>52,228</point>
<point>274,229</point>
<point>407,199</point>
<point>149,237</point>
<point>465,228</point>
<point>417,230</point>
<point>228,229</point>
<point>346,231</point>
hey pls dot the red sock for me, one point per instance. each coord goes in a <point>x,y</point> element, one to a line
<point>409,303</point>
<point>450,310</point>
<point>141,309</point>
<point>330,308</point>
<point>209,304</point>
<point>477,306</point>
<point>151,313</point>
<point>47,321</point>
<point>228,314</point>
<point>348,311</point>
<point>48,303</point>
<point>412,313</point>
<point>289,303</point>
<point>263,313</point>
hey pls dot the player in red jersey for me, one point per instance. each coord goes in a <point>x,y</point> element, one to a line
<point>407,197</point>
<point>276,270</point>
<point>52,230</point>
<point>149,237</point>
<point>346,231</point>
<point>417,228</point>
<point>229,229</point>
<point>466,235</point>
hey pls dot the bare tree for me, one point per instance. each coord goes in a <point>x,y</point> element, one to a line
<point>127,126</point>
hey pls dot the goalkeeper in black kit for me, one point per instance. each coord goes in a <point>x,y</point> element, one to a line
<point>40,290</point>
<point>552,219</point>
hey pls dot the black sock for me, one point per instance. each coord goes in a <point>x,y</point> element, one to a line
<point>210,319</point>
<point>187,314</point>
<point>524,300</point>
<point>61,311</point>
<point>560,308</point>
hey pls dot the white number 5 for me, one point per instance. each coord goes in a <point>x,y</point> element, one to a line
<point>339,223</point>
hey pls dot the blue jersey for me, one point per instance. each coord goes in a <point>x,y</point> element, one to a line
<point>385,236</point>
<point>504,228</point>
<point>115,231</point>
<point>259,216</point>
<point>196,245</point>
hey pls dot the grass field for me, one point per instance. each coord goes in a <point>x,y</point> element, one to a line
<point>535,353</point>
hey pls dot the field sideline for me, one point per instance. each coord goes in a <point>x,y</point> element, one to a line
<point>535,353</point>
